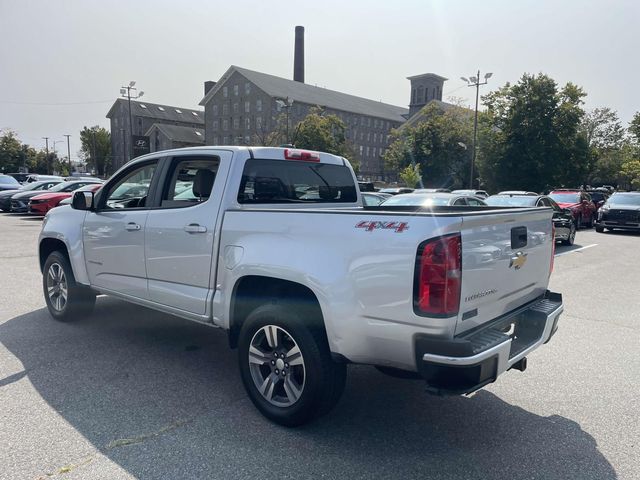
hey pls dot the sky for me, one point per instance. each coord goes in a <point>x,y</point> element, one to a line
<point>62,62</point>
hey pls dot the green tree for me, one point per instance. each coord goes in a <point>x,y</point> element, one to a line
<point>438,144</point>
<point>631,172</point>
<point>410,175</point>
<point>634,128</point>
<point>322,132</point>
<point>96,148</point>
<point>605,137</point>
<point>530,136</point>
<point>11,152</point>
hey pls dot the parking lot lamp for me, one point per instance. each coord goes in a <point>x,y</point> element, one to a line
<point>475,82</point>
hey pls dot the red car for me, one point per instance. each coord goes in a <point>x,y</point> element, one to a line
<point>580,204</point>
<point>41,204</point>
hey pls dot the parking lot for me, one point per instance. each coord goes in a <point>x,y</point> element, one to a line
<point>131,393</point>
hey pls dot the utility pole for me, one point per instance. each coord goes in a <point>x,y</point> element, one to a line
<point>46,139</point>
<point>475,82</point>
<point>126,93</point>
<point>69,153</point>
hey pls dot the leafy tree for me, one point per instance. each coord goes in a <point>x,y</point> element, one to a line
<point>634,128</point>
<point>96,148</point>
<point>530,136</point>
<point>438,144</point>
<point>631,172</point>
<point>605,137</point>
<point>11,152</point>
<point>323,132</point>
<point>410,175</point>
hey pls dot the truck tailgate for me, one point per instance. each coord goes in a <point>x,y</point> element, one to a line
<point>506,262</point>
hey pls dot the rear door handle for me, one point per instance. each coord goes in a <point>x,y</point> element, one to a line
<point>132,227</point>
<point>195,228</point>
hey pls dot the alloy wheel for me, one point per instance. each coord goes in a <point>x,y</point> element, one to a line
<point>277,366</point>
<point>57,289</point>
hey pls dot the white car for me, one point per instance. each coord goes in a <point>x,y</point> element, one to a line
<point>303,283</point>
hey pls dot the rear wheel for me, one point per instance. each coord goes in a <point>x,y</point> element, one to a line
<point>579,222</point>
<point>599,229</point>
<point>66,300</point>
<point>286,365</point>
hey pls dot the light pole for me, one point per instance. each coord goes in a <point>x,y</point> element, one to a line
<point>475,82</point>
<point>125,92</point>
<point>46,140</point>
<point>69,153</point>
<point>286,103</point>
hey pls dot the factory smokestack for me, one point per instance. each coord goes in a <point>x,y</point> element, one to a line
<point>298,56</point>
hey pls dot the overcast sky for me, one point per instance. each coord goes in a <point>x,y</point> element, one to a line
<point>62,62</point>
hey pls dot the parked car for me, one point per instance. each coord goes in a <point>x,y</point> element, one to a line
<point>5,197</point>
<point>476,193</point>
<point>370,199</point>
<point>36,177</point>
<point>73,178</point>
<point>94,187</point>
<point>433,200</point>
<point>599,197</point>
<point>296,288</point>
<point>432,190</point>
<point>366,186</point>
<point>20,200</point>
<point>563,220</point>
<point>7,182</point>
<point>42,203</point>
<point>622,211</point>
<point>580,204</point>
<point>517,192</point>
<point>20,177</point>
<point>396,190</point>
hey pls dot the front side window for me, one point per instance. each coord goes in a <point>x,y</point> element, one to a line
<point>130,191</point>
<point>286,181</point>
<point>189,181</point>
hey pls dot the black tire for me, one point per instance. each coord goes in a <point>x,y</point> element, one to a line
<point>323,381</point>
<point>572,236</point>
<point>79,301</point>
<point>599,229</point>
<point>579,222</point>
<point>591,222</point>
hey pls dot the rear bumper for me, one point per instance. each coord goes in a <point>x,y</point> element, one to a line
<point>473,360</point>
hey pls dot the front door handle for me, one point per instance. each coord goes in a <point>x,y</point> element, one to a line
<point>132,227</point>
<point>194,228</point>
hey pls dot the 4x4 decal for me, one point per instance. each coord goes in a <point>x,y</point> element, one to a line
<point>370,226</point>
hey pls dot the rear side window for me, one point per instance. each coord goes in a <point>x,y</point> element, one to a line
<point>286,181</point>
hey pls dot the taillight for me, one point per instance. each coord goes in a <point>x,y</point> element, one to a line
<point>438,277</point>
<point>304,155</point>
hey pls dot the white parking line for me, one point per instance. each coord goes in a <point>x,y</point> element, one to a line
<point>576,250</point>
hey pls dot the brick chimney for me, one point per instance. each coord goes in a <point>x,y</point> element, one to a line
<point>208,85</point>
<point>298,56</point>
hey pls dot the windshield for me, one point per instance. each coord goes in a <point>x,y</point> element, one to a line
<point>415,199</point>
<point>566,197</point>
<point>508,201</point>
<point>8,180</point>
<point>625,199</point>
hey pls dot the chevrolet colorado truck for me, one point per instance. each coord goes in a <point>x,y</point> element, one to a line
<point>274,246</point>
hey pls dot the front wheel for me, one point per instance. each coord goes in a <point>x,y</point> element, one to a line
<point>66,300</point>
<point>286,365</point>
<point>599,229</point>
<point>579,222</point>
<point>572,235</point>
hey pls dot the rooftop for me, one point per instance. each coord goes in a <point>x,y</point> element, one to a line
<point>164,112</point>
<point>279,87</point>
<point>179,133</point>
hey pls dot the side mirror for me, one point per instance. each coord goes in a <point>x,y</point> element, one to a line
<point>82,201</point>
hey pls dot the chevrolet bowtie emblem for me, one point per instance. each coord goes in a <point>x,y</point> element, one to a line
<point>518,260</point>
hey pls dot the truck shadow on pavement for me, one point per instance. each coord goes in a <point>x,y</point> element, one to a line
<point>162,398</point>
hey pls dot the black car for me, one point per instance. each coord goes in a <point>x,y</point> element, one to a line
<point>622,211</point>
<point>563,219</point>
<point>37,187</point>
<point>599,197</point>
<point>7,182</point>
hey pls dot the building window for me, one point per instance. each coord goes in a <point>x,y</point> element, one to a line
<point>225,109</point>
<point>387,125</point>
<point>361,150</point>
<point>367,151</point>
<point>235,108</point>
<point>225,125</point>
<point>420,94</point>
<point>216,125</point>
<point>368,137</point>
<point>225,92</point>
<point>414,96</point>
<point>235,90</point>
<point>215,139</point>
<point>361,136</point>
<point>368,122</point>
<point>259,105</point>
<point>236,123</point>
<point>215,110</point>
<point>247,106</point>
<point>258,123</point>
<point>247,88</point>
<point>247,139</point>
<point>224,139</point>
<point>374,152</point>
<point>247,123</point>
<point>375,137</point>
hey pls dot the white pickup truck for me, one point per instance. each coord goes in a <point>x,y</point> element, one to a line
<point>273,245</point>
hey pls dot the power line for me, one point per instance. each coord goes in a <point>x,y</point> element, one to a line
<point>6,102</point>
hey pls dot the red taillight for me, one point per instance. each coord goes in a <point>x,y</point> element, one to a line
<point>304,155</point>
<point>438,276</point>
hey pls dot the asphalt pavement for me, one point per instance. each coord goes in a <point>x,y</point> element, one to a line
<point>130,393</point>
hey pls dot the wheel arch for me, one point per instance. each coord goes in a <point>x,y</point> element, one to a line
<point>251,291</point>
<point>48,246</point>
